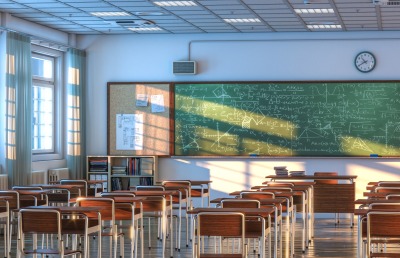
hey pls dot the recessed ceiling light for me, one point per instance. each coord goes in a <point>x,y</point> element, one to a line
<point>324,26</point>
<point>175,3</point>
<point>246,20</point>
<point>314,10</point>
<point>145,29</point>
<point>110,14</point>
<point>148,13</point>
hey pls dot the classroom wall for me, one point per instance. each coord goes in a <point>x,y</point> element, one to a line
<point>238,57</point>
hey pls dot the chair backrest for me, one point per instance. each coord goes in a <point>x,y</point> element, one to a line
<point>27,188</point>
<point>382,225</point>
<point>107,205</point>
<point>280,184</point>
<point>82,189</point>
<point>42,221</point>
<point>384,206</point>
<point>387,189</point>
<point>179,184</point>
<point>257,195</point>
<point>150,188</point>
<point>276,188</point>
<point>224,224</point>
<point>393,197</point>
<point>116,194</point>
<point>389,183</point>
<point>13,201</point>
<point>326,181</point>
<point>240,203</point>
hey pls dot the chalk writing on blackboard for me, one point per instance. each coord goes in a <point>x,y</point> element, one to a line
<point>288,119</point>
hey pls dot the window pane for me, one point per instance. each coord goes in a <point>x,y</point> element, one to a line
<point>42,67</point>
<point>42,117</point>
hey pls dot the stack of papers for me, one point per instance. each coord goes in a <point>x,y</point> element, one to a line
<point>297,173</point>
<point>281,171</point>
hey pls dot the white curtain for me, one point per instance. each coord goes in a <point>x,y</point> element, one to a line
<point>76,149</point>
<point>18,124</point>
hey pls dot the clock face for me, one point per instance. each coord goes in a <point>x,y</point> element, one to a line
<point>365,62</point>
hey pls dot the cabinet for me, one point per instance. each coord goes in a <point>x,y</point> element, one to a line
<point>121,172</point>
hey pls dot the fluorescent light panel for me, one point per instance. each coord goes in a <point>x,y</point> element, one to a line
<point>175,3</point>
<point>110,14</point>
<point>314,11</point>
<point>324,26</point>
<point>246,20</point>
<point>145,29</point>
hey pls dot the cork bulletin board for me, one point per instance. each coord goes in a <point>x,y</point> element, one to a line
<point>139,119</point>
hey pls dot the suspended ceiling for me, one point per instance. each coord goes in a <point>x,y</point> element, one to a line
<point>207,16</point>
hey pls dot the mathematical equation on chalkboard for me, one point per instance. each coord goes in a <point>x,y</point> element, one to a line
<point>288,119</point>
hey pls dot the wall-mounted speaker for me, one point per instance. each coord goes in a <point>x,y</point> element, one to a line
<point>184,67</point>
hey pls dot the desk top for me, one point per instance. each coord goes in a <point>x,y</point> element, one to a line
<point>312,177</point>
<point>369,201</point>
<point>192,182</point>
<point>277,193</point>
<point>147,193</point>
<point>119,199</point>
<point>66,209</point>
<point>262,202</point>
<point>263,212</point>
<point>294,188</point>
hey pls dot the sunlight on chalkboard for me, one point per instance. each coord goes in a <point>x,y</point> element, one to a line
<point>356,146</point>
<point>239,118</point>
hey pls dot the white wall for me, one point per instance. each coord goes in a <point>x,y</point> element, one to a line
<point>238,57</point>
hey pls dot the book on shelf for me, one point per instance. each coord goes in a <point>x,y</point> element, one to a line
<point>146,172</point>
<point>98,165</point>
<point>120,170</point>
<point>146,166</point>
<point>146,181</point>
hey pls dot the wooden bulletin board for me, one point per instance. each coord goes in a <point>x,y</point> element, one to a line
<point>287,119</point>
<point>122,101</point>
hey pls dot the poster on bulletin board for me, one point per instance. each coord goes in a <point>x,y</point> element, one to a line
<point>129,130</point>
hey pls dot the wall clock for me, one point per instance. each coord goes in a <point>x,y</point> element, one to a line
<point>365,61</point>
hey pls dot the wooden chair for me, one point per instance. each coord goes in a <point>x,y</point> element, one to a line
<point>383,227</point>
<point>132,214</point>
<point>222,224</point>
<point>182,198</point>
<point>5,214</point>
<point>276,220</point>
<point>42,221</point>
<point>81,190</point>
<point>108,216</point>
<point>253,226</point>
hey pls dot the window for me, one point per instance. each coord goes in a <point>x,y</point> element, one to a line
<point>43,103</point>
<point>46,103</point>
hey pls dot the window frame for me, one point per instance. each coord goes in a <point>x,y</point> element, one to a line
<point>58,101</point>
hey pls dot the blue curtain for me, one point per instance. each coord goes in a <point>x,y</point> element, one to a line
<point>76,149</point>
<point>18,124</point>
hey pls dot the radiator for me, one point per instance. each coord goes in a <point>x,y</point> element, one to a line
<point>57,174</point>
<point>38,177</point>
<point>3,182</point>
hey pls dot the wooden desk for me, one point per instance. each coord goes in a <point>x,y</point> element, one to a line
<point>335,198</point>
<point>71,226</point>
<point>262,213</point>
<point>167,207</point>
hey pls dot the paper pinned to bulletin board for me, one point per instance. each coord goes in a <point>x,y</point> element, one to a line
<point>139,119</point>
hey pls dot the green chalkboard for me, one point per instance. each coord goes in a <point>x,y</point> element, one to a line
<point>287,119</point>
